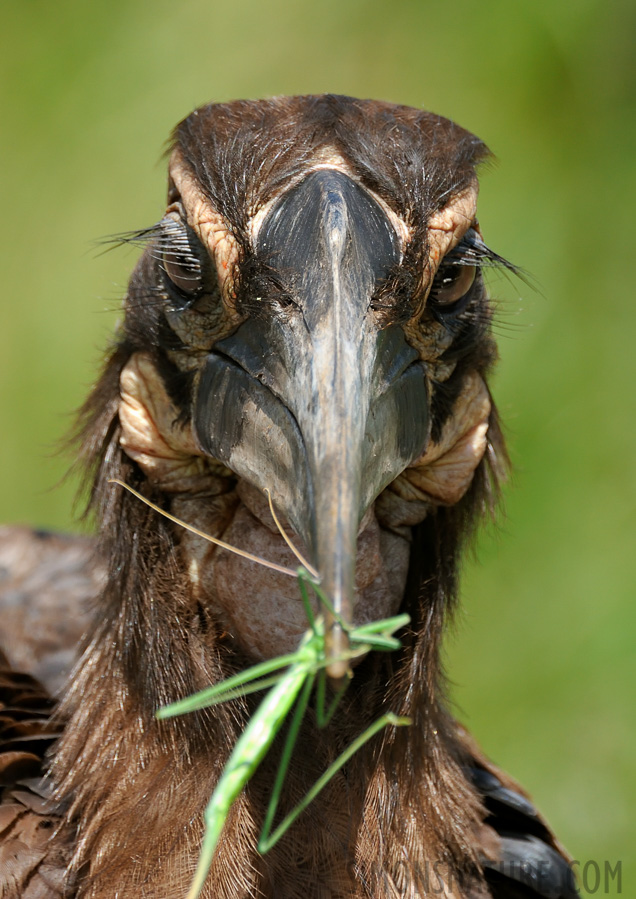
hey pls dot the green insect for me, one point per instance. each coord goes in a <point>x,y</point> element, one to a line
<point>289,680</point>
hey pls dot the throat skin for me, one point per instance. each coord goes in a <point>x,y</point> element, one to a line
<point>260,609</point>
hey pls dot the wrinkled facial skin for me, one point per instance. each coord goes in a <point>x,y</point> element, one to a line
<point>328,347</point>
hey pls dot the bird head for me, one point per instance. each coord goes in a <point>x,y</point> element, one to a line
<point>309,318</point>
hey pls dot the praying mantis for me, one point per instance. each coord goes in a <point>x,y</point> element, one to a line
<point>289,680</point>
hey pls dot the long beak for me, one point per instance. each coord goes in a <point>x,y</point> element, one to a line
<point>312,399</point>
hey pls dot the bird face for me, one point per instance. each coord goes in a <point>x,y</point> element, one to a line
<point>309,318</point>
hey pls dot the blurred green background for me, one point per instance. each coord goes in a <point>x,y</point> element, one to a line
<point>542,658</point>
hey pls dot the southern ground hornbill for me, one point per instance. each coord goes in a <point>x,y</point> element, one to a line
<point>308,317</point>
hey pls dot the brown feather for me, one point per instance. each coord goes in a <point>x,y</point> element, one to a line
<point>32,865</point>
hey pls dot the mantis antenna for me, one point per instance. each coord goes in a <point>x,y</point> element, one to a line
<point>233,549</point>
<point>303,561</point>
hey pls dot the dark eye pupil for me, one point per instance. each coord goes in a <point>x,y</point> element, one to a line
<point>450,277</point>
<point>183,271</point>
<point>451,285</point>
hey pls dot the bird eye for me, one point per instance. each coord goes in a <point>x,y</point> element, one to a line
<point>451,288</point>
<point>182,272</point>
<point>181,259</point>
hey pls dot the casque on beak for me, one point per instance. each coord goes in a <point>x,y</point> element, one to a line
<point>314,398</point>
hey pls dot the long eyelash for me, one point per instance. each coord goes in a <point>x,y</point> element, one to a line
<point>471,250</point>
<point>138,238</point>
<point>167,238</point>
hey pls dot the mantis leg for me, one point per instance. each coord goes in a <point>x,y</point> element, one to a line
<point>216,694</point>
<point>389,719</point>
<point>304,578</point>
<point>247,756</point>
<point>288,748</point>
<point>324,716</point>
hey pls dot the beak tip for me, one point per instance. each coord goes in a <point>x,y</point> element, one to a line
<point>337,653</point>
<point>339,672</point>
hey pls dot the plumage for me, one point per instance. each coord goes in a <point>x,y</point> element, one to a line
<point>309,317</point>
